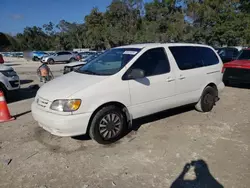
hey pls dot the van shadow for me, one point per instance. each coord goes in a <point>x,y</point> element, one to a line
<point>203,177</point>
<point>238,85</point>
<point>23,94</point>
<point>137,123</point>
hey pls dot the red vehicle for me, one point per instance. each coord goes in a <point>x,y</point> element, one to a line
<point>1,59</point>
<point>239,69</point>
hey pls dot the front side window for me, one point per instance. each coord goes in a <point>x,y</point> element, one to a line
<point>244,55</point>
<point>152,62</point>
<point>110,62</point>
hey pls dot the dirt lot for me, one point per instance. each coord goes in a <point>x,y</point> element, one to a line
<point>153,155</point>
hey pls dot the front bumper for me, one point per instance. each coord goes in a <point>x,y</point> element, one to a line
<point>12,83</point>
<point>60,125</point>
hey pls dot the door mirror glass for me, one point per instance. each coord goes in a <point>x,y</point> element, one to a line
<point>136,74</point>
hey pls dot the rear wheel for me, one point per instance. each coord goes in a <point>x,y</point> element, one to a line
<point>207,100</point>
<point>108,125</point>
<point>72,60</point>
<point>51,61</point>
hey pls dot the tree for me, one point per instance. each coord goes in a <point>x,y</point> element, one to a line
<point>213,22</point>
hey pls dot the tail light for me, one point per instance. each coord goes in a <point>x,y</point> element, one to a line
<point>223,69</point>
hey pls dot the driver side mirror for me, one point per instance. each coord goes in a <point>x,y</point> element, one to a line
<point>135,74</point>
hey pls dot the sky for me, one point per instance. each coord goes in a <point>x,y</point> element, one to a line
<point>17,14</point>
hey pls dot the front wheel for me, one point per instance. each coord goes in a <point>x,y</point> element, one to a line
<point>108,125</point>
<point>36,59</point>
<point>207,100</point>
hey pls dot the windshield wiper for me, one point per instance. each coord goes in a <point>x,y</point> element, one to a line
<point>87,72</point>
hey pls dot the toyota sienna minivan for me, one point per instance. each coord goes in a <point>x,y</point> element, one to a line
<point>103,97</point>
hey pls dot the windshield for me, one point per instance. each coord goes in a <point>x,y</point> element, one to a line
<point>110,62</point>
<point>244,55</point>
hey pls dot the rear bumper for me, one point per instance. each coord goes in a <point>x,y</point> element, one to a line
<point>238,75</point>
<point>220,87</point>
<point>59,125</point>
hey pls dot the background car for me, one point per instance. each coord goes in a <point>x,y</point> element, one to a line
<point>84,55</point>
<point>227,54</point>
<point>1,59</point>
<point>239,69</point>
<point>63,56</point>
<point>38,55</point>
<point>75,65</point>
<point>9,80</point>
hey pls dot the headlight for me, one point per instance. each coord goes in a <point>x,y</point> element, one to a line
<point>9,73</point>
<point>65,105</point>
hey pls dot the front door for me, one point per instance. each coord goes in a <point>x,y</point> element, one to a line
<point>156,91</point>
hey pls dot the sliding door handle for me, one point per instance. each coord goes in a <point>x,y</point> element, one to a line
<point>170,79</point>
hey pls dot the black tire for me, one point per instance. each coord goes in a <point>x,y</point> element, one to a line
<point>95,126</point>
<point>72,60</point>
<point>207,100</point>
<point>51,61</point>
<point>35,59</point>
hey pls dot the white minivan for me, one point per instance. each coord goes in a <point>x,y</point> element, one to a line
<point>104,96</point>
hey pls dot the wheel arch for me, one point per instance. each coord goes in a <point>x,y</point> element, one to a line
<point>213,85</point>
<point>114,103</point>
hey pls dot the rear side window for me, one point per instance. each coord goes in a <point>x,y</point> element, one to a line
<point>153,62</point>
<point>186,57</point>
<point>207,55</point>
<point>191,57</point>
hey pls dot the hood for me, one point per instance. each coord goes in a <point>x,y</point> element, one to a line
<point>5,68</point>
<point>64,86</point>
<point>76,63</point>
<point>238,64</point>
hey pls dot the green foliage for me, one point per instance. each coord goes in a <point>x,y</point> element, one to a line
<point>213,22</point>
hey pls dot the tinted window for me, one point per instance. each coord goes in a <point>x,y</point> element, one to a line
<point>186,57</point>
<point>190,57</point>
<point>63,53</point>
<point>59,53</point>
<point>230,53</point>
<point>208,56</point>
<point>244,55</point>
<point>153,62</point>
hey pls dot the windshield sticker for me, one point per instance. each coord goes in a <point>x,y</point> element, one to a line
<point>130,52</point>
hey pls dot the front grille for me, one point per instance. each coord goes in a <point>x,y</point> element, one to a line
<point>42,102</point>
<point>14,83</point>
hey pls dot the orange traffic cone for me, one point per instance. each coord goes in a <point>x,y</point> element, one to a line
<point>4,110</point>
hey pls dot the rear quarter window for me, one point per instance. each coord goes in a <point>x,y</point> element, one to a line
<point>191,57</point>
<point>208,56</point>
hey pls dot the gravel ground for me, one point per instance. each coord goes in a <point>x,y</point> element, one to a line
<point>154,154</point>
